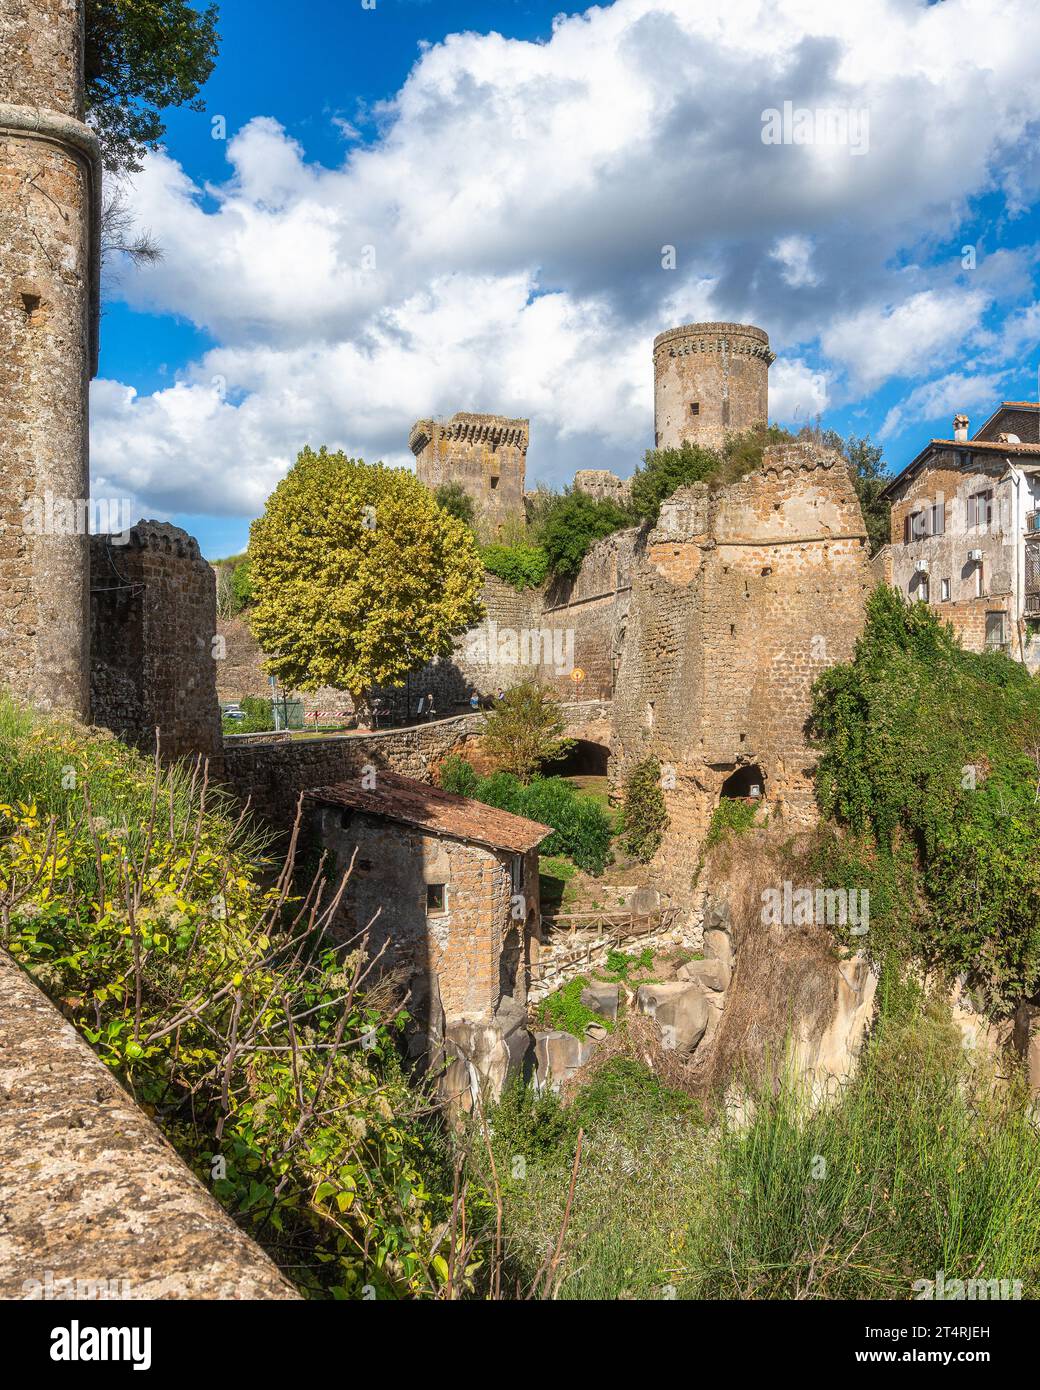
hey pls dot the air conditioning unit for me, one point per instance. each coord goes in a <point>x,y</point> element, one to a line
<point>975,555</point>
<point>920,566</point>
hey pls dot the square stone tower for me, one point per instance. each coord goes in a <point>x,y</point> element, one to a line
<point>486,454</point>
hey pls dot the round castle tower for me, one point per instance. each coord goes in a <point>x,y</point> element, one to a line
<point>49,200</point>
<point>710,380</point>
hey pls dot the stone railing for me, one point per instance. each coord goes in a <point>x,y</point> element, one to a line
<point>94,1203</point>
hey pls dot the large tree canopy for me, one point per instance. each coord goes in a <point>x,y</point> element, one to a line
<point>358,575</point>
<point>143,56</point>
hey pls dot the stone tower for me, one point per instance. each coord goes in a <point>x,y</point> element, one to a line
<point>49,284</point>
<point>710,380</point>
<point>485,453</point>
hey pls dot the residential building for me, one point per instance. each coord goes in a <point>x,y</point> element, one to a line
<point>965,532</point>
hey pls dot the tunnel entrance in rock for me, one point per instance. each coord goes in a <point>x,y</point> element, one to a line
<point>584,759</point>
<point>744,782</point>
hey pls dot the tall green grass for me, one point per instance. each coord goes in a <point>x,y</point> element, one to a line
<point>920,1165</point>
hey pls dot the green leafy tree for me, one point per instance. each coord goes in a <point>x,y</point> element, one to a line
<point>665,470</point>
<point>525,729</point>
<point>456,501</point>
<point>869,477</point>
<point>571,523</point>
<point>143,56</point>
<point>358,575</point>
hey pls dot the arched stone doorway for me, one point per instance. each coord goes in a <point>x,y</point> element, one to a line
<point>743,781</point>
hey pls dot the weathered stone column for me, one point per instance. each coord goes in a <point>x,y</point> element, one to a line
<point>49,267</point>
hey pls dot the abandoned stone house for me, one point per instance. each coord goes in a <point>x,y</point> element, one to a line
<point>965,534</point>
<point>446,887</point>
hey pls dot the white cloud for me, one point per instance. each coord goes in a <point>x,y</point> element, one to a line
<point>516,204</point>
<point>949,395</point>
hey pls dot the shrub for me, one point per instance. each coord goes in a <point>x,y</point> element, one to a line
<point>137,900</point>
<point>644,817</point>
<point>930,763</point>
<point>456,501</point>
<point>564,1010</point>
<point>733,815</point>
<point>581,828</point>
<point>523,566</point>
<point>525,729</point>
<point>457,775</point>
<point>570,524</point>
<point>666,470</point>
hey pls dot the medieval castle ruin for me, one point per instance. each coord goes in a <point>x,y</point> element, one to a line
<point>694,642</point>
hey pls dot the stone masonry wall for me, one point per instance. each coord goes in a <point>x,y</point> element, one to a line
<point>49,180</point>
<point>90,1191</point>
<point>738,602</point>
<point>460,951</point>
<point>153,620</point>
<point>486,454</point>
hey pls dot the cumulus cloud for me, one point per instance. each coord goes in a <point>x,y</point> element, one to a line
<point>499,246</point>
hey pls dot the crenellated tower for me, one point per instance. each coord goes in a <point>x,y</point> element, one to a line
<point>486,454</point>
<point>710,380</point>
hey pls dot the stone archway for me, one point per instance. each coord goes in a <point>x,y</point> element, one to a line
<point>742,781</point>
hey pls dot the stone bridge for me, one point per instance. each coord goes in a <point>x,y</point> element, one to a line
<point>272,769</point>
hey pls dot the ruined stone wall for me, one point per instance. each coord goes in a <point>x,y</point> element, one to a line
<point>271,770</point>
<point>710,380</point>
<point>738,602</point>
<point>49,198</point>
<point>604,485</point>
<point>152,624</point>
<point>486,454</point>
<point>94,1199</point>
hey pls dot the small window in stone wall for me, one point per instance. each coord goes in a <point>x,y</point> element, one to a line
<point>494,482</point>
<point>436,899</point>
<point>695,407</point>
<point>944,590</point>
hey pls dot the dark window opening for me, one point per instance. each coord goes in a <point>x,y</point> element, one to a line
<point>436,897</point>
<point>509,963</point>
<point>30,303</point>
<point>743,782</point>
<point>494,482</point>
<point>695,407</point>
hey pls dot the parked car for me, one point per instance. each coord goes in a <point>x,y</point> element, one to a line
<point>233,711</point>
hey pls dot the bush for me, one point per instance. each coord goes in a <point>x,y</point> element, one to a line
<point>563,1010</point>
<point>581,828</point>
<point>148,913</point>
<point>571,524</point>
<point>930,768</point>
<point>525,729</point>
<point>456,501</point>
<point>733,815</point>
<point>523,566</point>
<point>644,817</point>
<point>457,775</point>
<point>664,471</point>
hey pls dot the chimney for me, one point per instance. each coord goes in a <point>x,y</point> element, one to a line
<point>960,428</point>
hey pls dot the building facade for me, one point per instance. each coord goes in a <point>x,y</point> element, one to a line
<point>446,887</point>
<point>965,534</point>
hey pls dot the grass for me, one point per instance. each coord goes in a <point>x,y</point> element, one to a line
<point>920,1165</point>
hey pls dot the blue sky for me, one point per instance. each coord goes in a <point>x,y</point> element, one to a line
<point>425,207</point>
